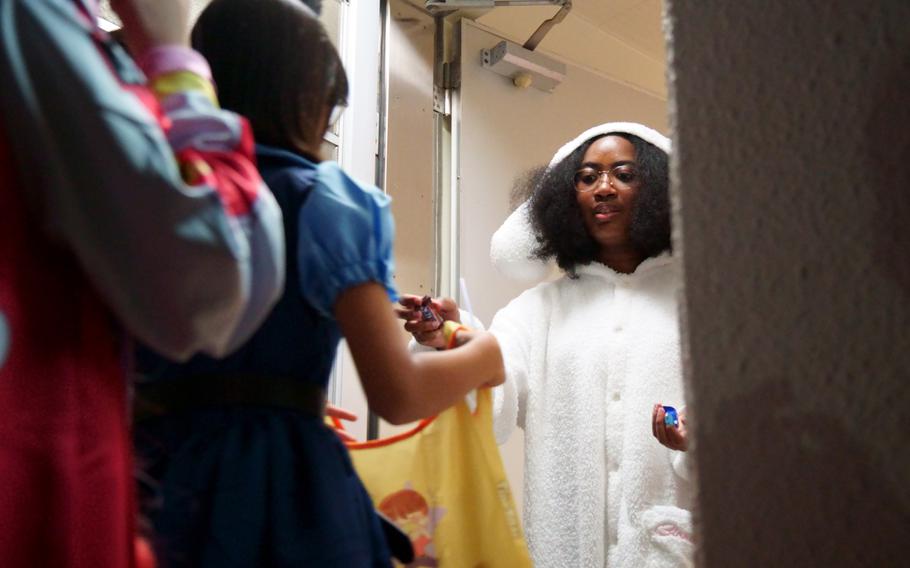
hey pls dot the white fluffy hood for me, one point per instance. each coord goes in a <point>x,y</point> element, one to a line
<point>513,242</point>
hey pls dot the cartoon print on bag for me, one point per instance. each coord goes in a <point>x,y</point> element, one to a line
<point>410,511</point>
<point>4,339</point>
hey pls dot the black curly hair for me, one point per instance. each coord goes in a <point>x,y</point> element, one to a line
<point>557,219</point>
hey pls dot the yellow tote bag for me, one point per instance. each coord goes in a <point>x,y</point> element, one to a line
<point>444,485</point>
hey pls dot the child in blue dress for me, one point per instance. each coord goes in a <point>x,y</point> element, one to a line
<point>241,469</point>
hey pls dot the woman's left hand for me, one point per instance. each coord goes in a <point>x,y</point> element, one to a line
<point>673,437</point>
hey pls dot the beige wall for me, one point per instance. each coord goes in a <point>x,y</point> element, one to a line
<point>792,177</point>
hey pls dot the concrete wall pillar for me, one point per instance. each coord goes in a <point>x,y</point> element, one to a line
<point>791,175</point>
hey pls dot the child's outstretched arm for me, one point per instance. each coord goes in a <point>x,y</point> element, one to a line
<point>401,386</point>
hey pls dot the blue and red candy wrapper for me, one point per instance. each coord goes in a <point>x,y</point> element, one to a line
<point>426,312</point>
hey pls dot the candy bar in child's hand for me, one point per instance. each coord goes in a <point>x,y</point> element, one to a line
<point>426,311</point>
<point>671,418</point>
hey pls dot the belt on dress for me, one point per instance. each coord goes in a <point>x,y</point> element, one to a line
<point>157,398</point>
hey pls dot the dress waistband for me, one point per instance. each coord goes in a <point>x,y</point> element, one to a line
<point>163,397</point>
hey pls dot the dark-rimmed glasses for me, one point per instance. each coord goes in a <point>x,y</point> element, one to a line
<point>623,176</point>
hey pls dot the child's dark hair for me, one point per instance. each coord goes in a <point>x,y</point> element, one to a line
<point>557,219</point>
<point>285,100</point>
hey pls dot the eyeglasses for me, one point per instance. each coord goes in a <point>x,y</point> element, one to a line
<point>623,176</point>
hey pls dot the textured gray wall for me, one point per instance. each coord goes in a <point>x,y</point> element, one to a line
<point>792,184</point>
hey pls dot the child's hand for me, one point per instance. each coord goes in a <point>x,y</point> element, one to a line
<point>333,411</point>
<point>673,437</point>
<point>151,23</point>
<point>427,332</point>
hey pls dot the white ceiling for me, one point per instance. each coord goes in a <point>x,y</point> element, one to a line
<point>637,22</point>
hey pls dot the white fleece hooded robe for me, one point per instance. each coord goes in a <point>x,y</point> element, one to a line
<point>586,359</point>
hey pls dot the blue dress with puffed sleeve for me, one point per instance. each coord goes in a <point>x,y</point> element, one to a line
<point>261,485</point>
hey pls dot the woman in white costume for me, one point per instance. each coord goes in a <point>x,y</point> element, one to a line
<point>589,355</point>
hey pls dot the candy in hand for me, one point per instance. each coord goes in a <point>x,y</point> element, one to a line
<point>426,312</point>
<point>671,418</point>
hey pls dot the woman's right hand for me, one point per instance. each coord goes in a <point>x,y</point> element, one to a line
<point>427,332</point>
<point>673,437</point>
